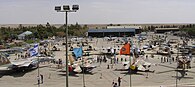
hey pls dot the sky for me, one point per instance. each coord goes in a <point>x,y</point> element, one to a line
<point>98,11</point>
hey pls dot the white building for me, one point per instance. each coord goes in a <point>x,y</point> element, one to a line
<point>22,35</point>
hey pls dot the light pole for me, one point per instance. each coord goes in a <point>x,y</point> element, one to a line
<point>67,9</point>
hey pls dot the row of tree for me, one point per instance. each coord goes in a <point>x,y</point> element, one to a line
<point>182,27</point>
<point>189,29</point>
<point>41,32</point>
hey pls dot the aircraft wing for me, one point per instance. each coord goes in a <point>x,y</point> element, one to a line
<point>22,63</point>
<point>125,62</point>
<point>26,64</point>
<point>127,67</point>
<point>140,67</point>
<point>77,69</point>
<point>90,66</point>
<point>145,47</point>
<point>4,68</point>
<point>147,63</point>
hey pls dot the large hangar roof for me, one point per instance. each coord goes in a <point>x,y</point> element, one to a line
<point>113,30</point>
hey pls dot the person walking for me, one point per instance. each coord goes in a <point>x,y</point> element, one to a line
<point>41,78</point>
<point>119,81</point>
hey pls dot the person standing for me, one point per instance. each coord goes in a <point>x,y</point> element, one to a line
<point>38,79</point>
<point>114,60</point>
<point>146,56</point>
<point>41,78</point>
<point>121,59</point>
<point>173,59</point>
<point>117,60</point>
<point>119,81</point>
<point>125,59</point>
<point>100,60</point>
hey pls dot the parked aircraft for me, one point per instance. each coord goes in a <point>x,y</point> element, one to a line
<point>137,65</point>
<point>7,65</point>
<point>79,66</point>
<point>183,67</point>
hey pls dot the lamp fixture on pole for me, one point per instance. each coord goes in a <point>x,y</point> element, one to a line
<point>66,9</point>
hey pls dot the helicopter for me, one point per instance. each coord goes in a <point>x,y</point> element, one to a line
<point>182,67</point>
<point>183,62</point>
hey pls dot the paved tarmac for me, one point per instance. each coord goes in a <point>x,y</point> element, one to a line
<point>102,77</point>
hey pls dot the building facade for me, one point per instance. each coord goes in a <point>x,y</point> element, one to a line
<point>163,30</point>
<point>115,32</point>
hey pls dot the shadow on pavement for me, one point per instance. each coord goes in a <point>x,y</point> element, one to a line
<point>127,73</point>
<point>72,75</point>
<point>15,73</point>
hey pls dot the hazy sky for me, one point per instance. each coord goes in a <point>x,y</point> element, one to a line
<point>98,11</point>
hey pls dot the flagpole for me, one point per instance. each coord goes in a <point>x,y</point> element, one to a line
<point>130,70</point>
<point>38,69</point>
<point>177,62</point>
<point>83,67</point>
<point>130,66</point>
<point>125,50</point>
<point>83,72</point>
<point>38,73</point>
<point>79,53</point>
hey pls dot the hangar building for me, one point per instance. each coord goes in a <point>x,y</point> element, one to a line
<point>163,30</point>
<point>114,32</point>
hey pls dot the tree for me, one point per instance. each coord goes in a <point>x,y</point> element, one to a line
<point>20,26</point>
<point>60,34</point>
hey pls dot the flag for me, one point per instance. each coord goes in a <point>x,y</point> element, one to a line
<point>34,51</point>
<point>78,52</point>
<point>125,50</point>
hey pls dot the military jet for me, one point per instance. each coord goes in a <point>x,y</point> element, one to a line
<point>79,66</point>
<point>7,65</point>
<point>138,65</point>
<point>16,65</point>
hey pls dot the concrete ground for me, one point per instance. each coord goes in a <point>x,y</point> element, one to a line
<point>102,77</point>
